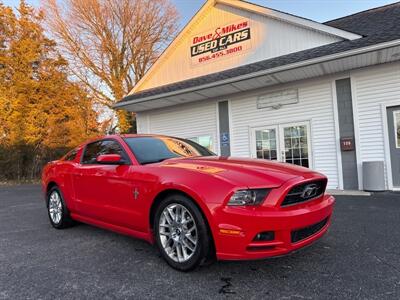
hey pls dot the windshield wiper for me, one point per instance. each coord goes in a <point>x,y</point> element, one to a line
<point>155,161</point>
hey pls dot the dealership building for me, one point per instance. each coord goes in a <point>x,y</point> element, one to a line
<point>248,81</point>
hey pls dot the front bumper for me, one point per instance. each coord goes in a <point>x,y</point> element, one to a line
<point>239,225</point>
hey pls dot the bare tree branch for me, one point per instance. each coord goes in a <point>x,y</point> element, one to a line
<point>110,44</point>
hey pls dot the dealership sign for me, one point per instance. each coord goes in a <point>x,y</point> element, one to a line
<point>276,100</point>
<point>223,41</point>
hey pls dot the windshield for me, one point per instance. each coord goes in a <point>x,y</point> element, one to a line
<point>151,149</point>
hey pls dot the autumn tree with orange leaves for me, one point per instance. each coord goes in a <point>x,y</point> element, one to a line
<point>42,112</point>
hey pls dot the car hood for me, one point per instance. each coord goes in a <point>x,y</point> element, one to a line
<point>242,171</point>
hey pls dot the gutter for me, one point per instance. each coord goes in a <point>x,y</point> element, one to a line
<point>263,72</point>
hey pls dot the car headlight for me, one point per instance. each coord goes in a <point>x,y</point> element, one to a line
<point>248,197</point>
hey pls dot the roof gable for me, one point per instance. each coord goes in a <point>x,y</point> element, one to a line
<point>270,33</point>
<point>380,44</point>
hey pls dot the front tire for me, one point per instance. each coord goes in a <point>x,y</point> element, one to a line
<point>181,233</point>
<point>57,210</point>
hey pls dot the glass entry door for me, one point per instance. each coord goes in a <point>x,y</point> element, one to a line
<point>295,143</point>
<point>285,142</point>
<point>266,143</point>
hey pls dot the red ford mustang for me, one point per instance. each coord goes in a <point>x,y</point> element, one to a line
<point>192,204</point>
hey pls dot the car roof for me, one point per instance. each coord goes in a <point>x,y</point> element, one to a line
<point>116,136</point>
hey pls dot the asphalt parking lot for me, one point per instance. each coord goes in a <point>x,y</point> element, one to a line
<point>358,259</point>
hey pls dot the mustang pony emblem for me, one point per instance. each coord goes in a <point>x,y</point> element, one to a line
<point>310,191</point>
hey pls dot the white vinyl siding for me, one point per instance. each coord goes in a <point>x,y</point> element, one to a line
<point>187,121</point>
<point>315,105</point>
<point>269,38</point>
<point>142,122</point>
<point>372,87</point>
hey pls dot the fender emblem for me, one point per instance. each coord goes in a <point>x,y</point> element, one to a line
<point>135,193</point>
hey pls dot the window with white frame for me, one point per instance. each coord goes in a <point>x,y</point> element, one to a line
<point>396,115</point>
<point>266,146</point>
<point>204,140</point>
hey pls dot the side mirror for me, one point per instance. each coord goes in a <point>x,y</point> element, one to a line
<point>110,159</point>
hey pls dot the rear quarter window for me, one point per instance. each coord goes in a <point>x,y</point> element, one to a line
<point>70,156</point>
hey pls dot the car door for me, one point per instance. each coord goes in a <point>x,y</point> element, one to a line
<point>86,181</point>
<point>118,188</point>
<point>107,189</point>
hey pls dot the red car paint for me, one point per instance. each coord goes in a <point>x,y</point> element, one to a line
<point>120,198</point>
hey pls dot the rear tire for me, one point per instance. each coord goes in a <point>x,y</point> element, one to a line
<point>181,233</point>
<point>57,210</point>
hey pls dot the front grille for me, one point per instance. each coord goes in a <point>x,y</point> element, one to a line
<point>305,232</point>
<point>305,192</point>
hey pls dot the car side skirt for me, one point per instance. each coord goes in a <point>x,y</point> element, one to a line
<point>119,229</point>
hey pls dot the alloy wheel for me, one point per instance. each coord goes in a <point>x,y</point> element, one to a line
<point>55,207</point>
<point>178,232</point>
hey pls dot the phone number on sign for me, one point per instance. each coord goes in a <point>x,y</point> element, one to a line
<point>220,54</point>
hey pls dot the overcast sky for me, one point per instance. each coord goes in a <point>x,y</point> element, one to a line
<point>318,10</point>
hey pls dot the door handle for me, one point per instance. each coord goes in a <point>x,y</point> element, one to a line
<point>283,156</point>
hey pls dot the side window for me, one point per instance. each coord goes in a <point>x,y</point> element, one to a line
<point>205,141</point>
<point>112,147</point>
<point>100,148</point>
<point>71,155</point>
<point>91,152</point>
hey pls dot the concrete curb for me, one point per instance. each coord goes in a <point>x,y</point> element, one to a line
<point>348,193</point>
